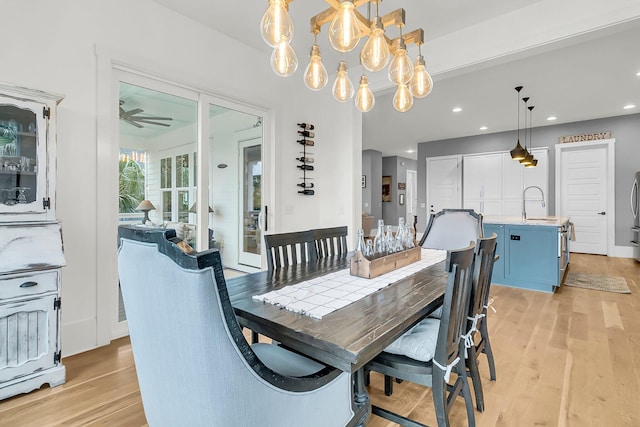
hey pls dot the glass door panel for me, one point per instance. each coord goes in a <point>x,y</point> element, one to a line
<point>251,205</point>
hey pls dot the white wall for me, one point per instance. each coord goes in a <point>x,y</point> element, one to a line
<point>53,48</point>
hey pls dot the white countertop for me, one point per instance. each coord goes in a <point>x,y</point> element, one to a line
<point>551,221</point>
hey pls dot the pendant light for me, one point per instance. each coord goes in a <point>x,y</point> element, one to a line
<point>375,52</point>
<point>421,83</point>
<point>344,32</point>
<point>315,76</point>
<point>342,87</point>
<point>276,23</point>
<point>364,98</point>
<point>403,100</point>
<point>401,68</point>
<point>518,153</point>
<point>283,59</point>
<point>528,157</point>
<point>534,162</point>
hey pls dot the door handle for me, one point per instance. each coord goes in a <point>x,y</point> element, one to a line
<point>602,213</point>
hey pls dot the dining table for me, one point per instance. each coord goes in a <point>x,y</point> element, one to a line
<point>346,338</point>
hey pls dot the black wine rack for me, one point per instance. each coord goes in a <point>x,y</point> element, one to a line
<point>305,161</point>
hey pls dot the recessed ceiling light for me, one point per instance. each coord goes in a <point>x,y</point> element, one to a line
<point>638,74</point>
<point>410,151</point>
<point>629,106</point>
<point>457,109</point>
<point>551,118</point>
<point>483,128</point>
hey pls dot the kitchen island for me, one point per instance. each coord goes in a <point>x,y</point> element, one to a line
<point>534,254</point>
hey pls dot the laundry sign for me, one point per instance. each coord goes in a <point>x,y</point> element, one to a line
<point>584,137</point>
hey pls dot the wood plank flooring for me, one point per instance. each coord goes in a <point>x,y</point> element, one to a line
<point>567,359</point>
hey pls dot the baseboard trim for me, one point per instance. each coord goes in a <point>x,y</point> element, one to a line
<point>622,252</point>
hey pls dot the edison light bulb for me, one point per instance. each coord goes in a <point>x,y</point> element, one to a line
<point>421,83</point>
<point>283,59</point>
<point>315,76</point>
<point>400,69</point>
<point>344,33</point>
<point>364,98</point>
<point>276,23</point>
<point>342,87</point>
<point>402,100</point>
<point>375,52</point>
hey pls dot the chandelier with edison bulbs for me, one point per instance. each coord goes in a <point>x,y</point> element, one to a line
<point>347,26</point>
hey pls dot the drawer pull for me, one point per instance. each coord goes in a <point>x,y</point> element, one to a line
<point>29,284</point>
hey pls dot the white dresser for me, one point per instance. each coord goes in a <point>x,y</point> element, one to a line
<point>31,249</point>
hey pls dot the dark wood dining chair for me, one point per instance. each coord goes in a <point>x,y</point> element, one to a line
<point>433,349</point>
<point>331,242</point>
<point>193,364</point>
<point>286,249</point>
<point>477,318</point>
<point>452,229</point>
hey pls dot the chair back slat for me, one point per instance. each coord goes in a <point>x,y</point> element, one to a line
<point>331,242</point>
<point>452,229</point>
<point>483,269</point>
<point>289,249</point>
<point>456,304</point>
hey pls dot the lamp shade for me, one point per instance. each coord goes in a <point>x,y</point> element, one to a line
<point>145,205</point>
<point>194,208</point>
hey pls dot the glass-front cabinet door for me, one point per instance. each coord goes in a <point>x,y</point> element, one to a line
<point>23,158</point>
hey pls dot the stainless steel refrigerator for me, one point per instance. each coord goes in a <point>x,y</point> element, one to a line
<point>635,210</point>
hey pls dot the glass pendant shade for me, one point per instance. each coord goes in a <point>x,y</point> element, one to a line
<point>342,87</point>
<point>403,100</point>
<point>276,23</point>
<point>401,68</point>
<point>283,59</point>
<point>364,98</point>
<point>315,76</point>
<point>421,83</point>
<point>344,33</point>
<point>375,52</point>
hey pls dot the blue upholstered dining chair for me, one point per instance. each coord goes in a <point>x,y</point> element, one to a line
<point>194,366</point>
<point>433,349</point>
<point>452,229</point>
<point>477,334</point>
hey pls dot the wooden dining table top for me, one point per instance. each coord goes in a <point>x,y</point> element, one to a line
<point>349,337</point>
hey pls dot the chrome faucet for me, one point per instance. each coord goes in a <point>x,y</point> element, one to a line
<point>524,200</point>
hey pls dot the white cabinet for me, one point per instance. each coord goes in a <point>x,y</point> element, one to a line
<point>482,183</point>
<point>493,183</point>
<point>31,250</point>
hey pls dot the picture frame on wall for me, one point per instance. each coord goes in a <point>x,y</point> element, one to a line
<point>401,199</point>
<point>386,188</point>
<point>364,181</point>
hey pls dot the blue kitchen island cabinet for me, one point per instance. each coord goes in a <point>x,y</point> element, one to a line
<point>533,255</point>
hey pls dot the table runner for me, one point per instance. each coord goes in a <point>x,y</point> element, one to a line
<point>323,295</point>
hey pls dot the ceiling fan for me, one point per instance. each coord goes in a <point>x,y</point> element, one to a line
<point>134,119</point>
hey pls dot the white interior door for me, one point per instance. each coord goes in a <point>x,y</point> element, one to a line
<point>412,195</point>
<point>443,183</point>
<point>250,156</point>
<point>584,197</point>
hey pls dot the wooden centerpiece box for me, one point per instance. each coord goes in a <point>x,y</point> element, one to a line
<point>362,267</point>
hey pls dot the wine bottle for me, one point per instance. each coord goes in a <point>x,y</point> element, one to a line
<point>308,126</point>
<point>307,192</point>
<point>305,185</point>
<point>305,167</point>
<point>306,134</point>
<point>305,159</point>
<point>306,142</point>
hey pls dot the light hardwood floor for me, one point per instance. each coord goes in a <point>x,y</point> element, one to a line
<point>567,359</point>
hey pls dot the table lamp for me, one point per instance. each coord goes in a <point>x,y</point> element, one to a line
<point>145,206</point>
